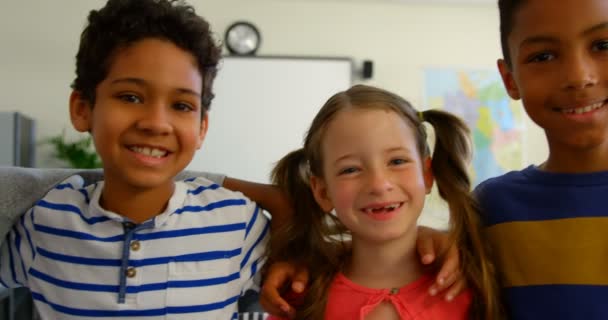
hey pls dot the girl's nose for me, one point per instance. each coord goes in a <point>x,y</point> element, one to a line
<point>380,182</point>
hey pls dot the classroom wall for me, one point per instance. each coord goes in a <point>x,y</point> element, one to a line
<point>39,40</point>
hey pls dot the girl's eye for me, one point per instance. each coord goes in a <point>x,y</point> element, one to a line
<point>541,57</point>
<point>601,45</point>
<point>348,170</point>
<point>183,107</point>
<point>131,98</point>
<point>397,161</point>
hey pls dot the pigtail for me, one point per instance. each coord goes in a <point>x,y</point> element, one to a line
<point>451,155</point>
<point>304,239</point>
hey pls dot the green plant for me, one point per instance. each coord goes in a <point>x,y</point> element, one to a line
<point>78,154</point>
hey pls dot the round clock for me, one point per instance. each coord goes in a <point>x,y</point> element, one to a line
<point>242,38</point>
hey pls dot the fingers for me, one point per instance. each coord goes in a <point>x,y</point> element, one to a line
<point>451,264</point>
<point>445,282</point>
<point>271,301</point>
<point>456,289</point>
<point>299,280</point>
<point>425,246</point>
<point>449,278</point>
<point>278,276</point>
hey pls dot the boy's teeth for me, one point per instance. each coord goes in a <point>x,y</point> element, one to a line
<point>151,152</point>
<point>584,109</point>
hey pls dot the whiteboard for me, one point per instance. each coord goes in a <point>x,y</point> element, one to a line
<point>262,109</point>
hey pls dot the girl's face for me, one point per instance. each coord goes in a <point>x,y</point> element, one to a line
<point>372,174</point>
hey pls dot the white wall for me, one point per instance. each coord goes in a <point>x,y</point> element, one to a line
<point>40,37</point>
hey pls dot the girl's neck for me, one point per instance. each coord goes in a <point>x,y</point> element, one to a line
<point>384,265</point>
<point>138,205</point>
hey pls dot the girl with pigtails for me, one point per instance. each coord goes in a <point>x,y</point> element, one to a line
<point>358,186</point>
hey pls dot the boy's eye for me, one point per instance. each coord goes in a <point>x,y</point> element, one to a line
<point>131,98</point>
<point>601,45</point>
<point>180,106</point>
<point>541,57</point>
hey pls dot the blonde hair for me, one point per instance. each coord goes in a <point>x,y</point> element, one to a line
<point>310,238</point>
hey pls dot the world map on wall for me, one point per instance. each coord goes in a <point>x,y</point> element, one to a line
<point>495,120</point>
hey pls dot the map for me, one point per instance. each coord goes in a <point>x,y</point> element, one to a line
<point>495,120</point>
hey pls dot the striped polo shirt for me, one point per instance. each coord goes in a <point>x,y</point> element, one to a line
<point>192,261</point>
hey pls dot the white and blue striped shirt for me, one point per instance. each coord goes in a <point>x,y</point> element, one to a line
<point>191,262</point>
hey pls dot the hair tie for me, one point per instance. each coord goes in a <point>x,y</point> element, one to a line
<point>420,116</point>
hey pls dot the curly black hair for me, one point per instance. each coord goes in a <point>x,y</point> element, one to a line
<point>121,23</point>
<point>507,10</point>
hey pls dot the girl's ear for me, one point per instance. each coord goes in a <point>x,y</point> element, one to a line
<point>319,190</point>
<point>507,79</point>
<point>80,112</point>
<point>427,171</point>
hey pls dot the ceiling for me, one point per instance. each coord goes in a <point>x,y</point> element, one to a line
<point>444,2</point>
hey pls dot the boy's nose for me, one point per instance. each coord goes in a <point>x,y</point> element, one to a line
<point>155,119</point>
<point>580,72</point>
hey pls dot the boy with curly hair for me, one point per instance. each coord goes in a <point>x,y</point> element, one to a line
<point>138,244</point>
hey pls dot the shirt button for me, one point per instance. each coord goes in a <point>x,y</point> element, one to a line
<point>135,245</point>
<point>131,272</point>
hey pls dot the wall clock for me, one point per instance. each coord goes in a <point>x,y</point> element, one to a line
<point>242,38</point>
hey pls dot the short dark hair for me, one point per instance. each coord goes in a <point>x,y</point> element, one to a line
<point>121,23</point>
<point>507,10</point>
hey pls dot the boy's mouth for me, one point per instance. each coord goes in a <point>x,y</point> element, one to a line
<point>149,151</point>
<point>583,109</point>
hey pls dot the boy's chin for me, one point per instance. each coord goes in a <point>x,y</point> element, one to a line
<point>145,181</point>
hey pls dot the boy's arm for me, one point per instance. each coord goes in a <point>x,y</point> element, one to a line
<point>430,244</point>
<point>270,197</point>
<point>433,243</point>
<point>17,253</point>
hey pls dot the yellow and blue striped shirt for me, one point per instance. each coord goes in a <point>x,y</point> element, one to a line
<point>549,234</point>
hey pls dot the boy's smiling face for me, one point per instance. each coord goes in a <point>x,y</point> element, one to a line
<point>146,120</point>
<point>559,68</point>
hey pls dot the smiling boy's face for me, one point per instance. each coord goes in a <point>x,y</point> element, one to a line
<point>559,68</point>
<point>146,121</point>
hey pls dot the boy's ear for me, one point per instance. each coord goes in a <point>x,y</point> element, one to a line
<point>319,190</point>
<point>80,112</point>
<point>203,130</point>
<point>429,178</point>
<point>507,79</point>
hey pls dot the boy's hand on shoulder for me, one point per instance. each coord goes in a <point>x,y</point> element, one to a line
<point>431,243</point>
<point>283,278</point>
